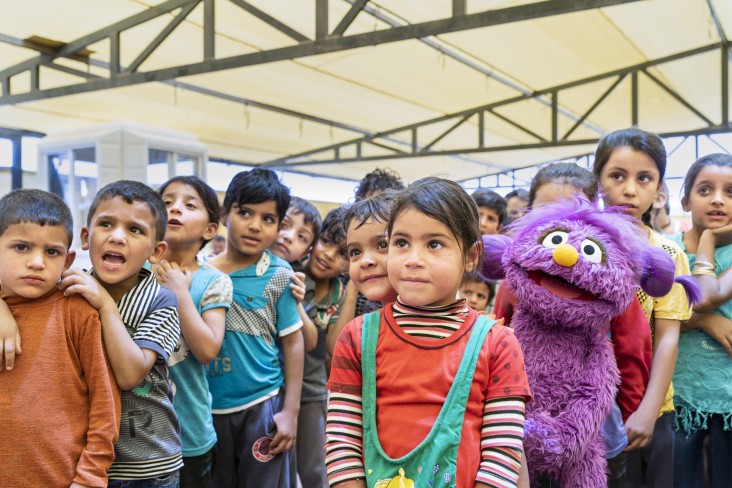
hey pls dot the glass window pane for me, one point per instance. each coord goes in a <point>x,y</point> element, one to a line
<point>157,168</point>
<point>29,153</point>
<point>6,153</point>
<point>185,165</point>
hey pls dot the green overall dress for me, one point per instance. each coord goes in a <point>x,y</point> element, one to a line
<point>433,463</point>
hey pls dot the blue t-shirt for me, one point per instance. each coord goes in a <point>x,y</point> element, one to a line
<point>247,370</point>
<point>210,288</point>
<point>703,375</point>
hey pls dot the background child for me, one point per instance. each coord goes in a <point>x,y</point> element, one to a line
<point>703,375</point>
<point>377,181</point>
<point>204,296</point>
<point>60,403</point>
<point>629,166</point>
<point>254,425</point>
<point>407,362</point>
<point>491,210</point>
<point>516,202</point>
<point>477,292</point>
<point>324,267</point>
<point>125,228</point>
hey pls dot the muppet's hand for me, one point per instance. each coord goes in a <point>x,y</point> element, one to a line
<point>543,439</point>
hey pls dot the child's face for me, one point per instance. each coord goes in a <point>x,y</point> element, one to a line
<point>476,294</point>
<point>120,238</point>
<point>515,207</point>
<point>32,258</point>
<point>294,238</point>
<point>188,221</point>
<point>367,247</point>
<point>489,222</point>
<point>326,261</point>
<point>630,179</point>
<point>425,261</point>
<point>553,192</point>
<point>252,228</point>
<point>710,199</point>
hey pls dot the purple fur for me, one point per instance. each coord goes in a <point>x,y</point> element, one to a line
<point>561,321</point>
<point>658,272</point>
<point>692,288</point>
<point>494,247</point>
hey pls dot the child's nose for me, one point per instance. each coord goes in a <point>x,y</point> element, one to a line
<point>36,261</point>
<point>117,234</point>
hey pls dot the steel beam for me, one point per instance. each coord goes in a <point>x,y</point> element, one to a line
<point>307,48</point>
<point>271,21</point>
<point>350,16</point>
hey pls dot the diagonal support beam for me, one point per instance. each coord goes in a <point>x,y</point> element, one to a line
<point>593,107</point>
<point>678,97</point>
<point>271,21</point>
<point>350,16</point>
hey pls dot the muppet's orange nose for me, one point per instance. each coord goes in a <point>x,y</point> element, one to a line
<point>565,255</point>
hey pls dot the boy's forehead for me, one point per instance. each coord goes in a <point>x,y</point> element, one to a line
<point>43,235</point>
<point>118,207</point>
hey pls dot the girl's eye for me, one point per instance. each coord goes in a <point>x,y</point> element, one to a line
<point>269,219</point>
<point>354,253</point>
<point>21,247</point>
<point>325,241</point>
<point>616,177</point>
<point>284,225</point>
<point>555,238</point>
<point>644,179</point>
<point>591,251</point>
<point>703,190</point>
<point>401,243</point>
<point>168,203</point>
<point>191,205</point>
<point>382,245</point>
<point>434,245</point>
<point>303,238</point>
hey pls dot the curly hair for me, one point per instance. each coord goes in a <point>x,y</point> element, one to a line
<point>378,181</point>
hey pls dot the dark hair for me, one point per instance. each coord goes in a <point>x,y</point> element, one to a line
<point>207,195</point>
<point>638,140</point>
<point>310,214</point>
<point>134,191</point>
<point>378,181</point>
<point>35,207</point>
<point>377,207</point>
<point>445,201</point>
<point>333,228</point>
<point>564,174</point>
<point>257,186</point>
<point>488,198</point>
<point>716,159</point>
<point>519,193</point>
<point>475,278</point>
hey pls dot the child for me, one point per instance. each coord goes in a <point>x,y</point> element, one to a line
<point>491,209</point>
<point>255,427</point>
<point>477,292</point>
<point>204,296</point>
<point>629,167</point>
<point>364,224</point>
<point>407,364</point>
<point>377,181</point>
<point>324,267</point>
<point>516,202</point>
<point>59,404</point>
<point>703,376</point>
<point>125,228</point>
<point>218,245</point>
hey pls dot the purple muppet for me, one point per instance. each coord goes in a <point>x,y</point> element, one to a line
<point>573,267</point>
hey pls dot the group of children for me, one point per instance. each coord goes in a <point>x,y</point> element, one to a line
<point>261,366</point>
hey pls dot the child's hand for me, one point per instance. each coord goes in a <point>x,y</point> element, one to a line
<point>170,275</point>
<point>298,286</point>
<point>722,235</point>
<point>284,438</point>
<point>78,281</point>
<point>77,485</point>
<point>9,337</point>
<point>639,429</point>
<point>718,328</point>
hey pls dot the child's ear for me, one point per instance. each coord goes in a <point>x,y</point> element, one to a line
<point>158,252</point>
<point>211,231</point>
<point>85,238</point>
<point>471,260</point>
<point>70,256</point>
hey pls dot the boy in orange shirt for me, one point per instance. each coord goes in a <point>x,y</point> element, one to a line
<point>59,404</point>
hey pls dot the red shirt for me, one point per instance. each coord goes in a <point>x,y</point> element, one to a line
<point>414,376</point>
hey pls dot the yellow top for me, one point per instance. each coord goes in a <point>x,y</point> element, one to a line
<point>674,305</point>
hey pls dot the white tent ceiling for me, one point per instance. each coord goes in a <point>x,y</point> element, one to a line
<point>270,111</point>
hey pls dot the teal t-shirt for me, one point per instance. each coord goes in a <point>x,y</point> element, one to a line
<point>703,375</point>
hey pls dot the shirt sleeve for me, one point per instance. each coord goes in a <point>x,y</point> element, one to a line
<point>674,305</point>
<point>218,294</point>
<point>506,367</point>
<point>501,442</point>
<point>160,329</point>
<point>632,344</point>
<point>345,366</point>
<point>504,303</point>
<point>104,405</point>
<point>288,318</point>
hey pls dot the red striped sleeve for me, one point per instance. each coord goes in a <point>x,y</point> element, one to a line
<point>501,442</point>
<point>344,438</point>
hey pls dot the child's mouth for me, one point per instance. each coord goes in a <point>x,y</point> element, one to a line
<point>113,259</point>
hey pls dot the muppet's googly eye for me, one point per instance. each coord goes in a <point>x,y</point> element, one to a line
<point>553,239</point>
<point>591,251</point>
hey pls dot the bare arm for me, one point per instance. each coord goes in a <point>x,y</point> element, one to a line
<point>9,337</point>
<point>203,333</point>
<point>286,419</point>
<point>129,362</point>
<point>641,423</point>
<point>346,314</point>
<point>715,325</point>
